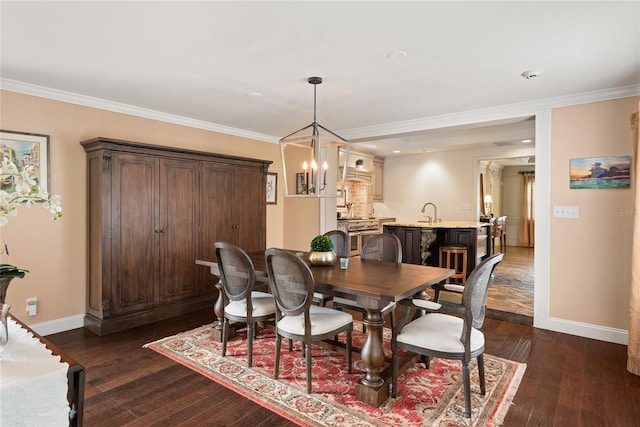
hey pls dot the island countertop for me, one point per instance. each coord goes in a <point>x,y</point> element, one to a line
<point>443,224</point>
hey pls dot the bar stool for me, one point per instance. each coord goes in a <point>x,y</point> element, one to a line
<point>455,257</point>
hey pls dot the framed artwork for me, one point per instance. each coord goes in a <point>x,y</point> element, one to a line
<point>272,188</point>
<point>300,187</point>
<point>26,149</point>
<point>600,172</point>
<point>342,198</point>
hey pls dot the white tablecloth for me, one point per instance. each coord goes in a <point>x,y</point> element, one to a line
<point>33,382</point>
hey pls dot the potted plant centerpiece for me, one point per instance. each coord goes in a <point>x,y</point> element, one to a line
<point>360,163</point>
<point>322,251</point>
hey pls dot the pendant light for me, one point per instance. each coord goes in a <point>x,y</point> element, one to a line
<point>314,159</point>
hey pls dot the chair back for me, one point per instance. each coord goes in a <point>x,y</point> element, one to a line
<point>474,297</point>
<point>496,229</point>
<point>382,247</point>
<point>237,273</point>
<point>340,242</point>
<point>291,283</point>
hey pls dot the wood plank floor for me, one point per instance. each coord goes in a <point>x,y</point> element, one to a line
<point>511,290</point>
<point>569,380</point>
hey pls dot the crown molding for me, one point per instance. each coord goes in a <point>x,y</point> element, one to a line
<point>502,112</point>
<point>88,101</point>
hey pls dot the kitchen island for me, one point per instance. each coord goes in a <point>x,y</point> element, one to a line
<point>421,241</point>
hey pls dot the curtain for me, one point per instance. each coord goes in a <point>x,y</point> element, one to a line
<point>527,209</point>
<point>633,351</point>
<point>483,211</point>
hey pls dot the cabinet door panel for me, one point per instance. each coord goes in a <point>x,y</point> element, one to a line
<point>249,200</point>
<point>179,185</point>
<point>134,237</point>
<point>217,198</point>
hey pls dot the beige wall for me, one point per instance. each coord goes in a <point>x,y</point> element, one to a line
<point>591,256</point>
<point>55,252</point>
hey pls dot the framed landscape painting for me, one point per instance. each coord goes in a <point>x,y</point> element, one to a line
<point>601,172</point>
<point>24,150</point>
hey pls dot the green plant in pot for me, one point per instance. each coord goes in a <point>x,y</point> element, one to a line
<point>322,251</point>
<point>359,163</point>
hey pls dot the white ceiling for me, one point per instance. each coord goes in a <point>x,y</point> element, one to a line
<point>202,60</point>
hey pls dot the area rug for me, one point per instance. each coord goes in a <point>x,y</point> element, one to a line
<point>432,397</point>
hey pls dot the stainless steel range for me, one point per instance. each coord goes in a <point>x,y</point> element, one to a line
<point>359,231</point>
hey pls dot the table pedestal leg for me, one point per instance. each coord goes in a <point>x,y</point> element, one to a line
<point>218,310</point>
<point>372,389</point>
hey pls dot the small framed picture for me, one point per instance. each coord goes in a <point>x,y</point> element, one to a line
<point>342,198</point>
<point>26,150</point>
<point>300,187</point>
<point>272,188</point>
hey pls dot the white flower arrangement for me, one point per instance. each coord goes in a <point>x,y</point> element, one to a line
<point>25,190</point>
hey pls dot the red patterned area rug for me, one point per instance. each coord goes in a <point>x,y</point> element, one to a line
<point>432,397</point>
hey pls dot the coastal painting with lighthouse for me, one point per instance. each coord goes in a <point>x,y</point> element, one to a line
<point>601,172</point>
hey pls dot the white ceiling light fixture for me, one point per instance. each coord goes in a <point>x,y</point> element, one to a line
<point>397,54</point>
<point>532,74</point>
<point>312,156</point>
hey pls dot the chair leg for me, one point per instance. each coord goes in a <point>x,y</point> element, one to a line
<point>349,358</point>
<point>308,363</point>
<point>426,360</point>
<point>250,328</point>
<point>225,332</point>
<point>467,389</point>
<point>276,365</point>
<point>483,387</point>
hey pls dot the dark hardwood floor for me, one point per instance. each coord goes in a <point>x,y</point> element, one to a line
<point>569,381</point>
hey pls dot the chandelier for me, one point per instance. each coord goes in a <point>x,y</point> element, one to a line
<point>314,159</point>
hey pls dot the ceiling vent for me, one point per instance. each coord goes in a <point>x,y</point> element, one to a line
<point>503,143</point>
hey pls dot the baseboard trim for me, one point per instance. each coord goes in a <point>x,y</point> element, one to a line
<point>586,330</point>
<point>59,325</point>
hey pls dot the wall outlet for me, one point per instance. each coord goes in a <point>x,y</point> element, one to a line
<point>32,306</point>
<point>566,212</point>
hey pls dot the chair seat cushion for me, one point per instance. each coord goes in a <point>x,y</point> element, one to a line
<point>351,303</point>
<point>263,305</point>
<point>439,332</point>
<point>323,320</point>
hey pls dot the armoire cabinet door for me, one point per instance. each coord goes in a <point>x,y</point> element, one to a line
<point>178,228</point>
<point>135,235</point>
<point>249,223</point>
<point>217,209</point>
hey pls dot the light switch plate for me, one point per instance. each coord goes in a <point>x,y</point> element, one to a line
<point>566,212</point>
<point>465,206</point>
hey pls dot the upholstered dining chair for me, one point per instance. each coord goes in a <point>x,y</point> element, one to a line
<point>291,282</point>
<point>241,302</point>
<point>448,332</point>
<point>341,248</point>
<point>379,247</point>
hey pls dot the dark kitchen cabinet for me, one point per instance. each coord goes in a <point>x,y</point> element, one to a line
<point>421,245</point>
<point>152,211</point>
<point>410,240</point>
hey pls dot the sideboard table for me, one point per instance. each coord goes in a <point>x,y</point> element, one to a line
<point>39,385</point>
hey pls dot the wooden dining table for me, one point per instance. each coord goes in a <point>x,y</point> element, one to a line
<point>373,285</point>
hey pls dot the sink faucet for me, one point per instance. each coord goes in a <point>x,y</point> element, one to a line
<point>435,212</point>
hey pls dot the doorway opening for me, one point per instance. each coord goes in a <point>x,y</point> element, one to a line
<point>510,183</point>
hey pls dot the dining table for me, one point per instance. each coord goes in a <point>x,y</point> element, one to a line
<point>373,285</point>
